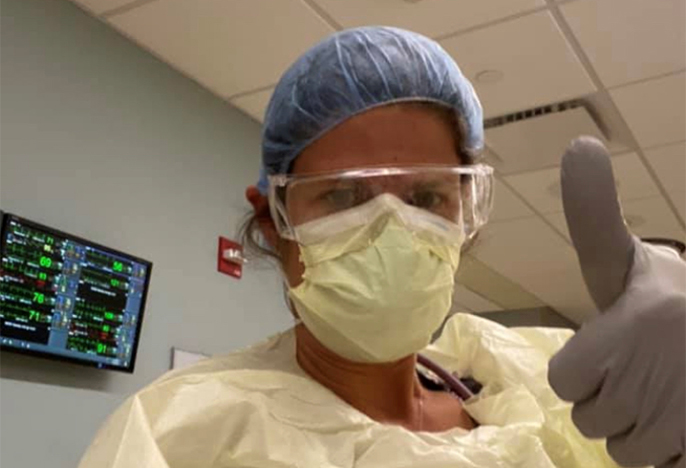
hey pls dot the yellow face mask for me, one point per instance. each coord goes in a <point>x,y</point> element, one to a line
<point>377,291</point>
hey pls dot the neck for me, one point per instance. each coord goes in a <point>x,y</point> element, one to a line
<point>387,392</point>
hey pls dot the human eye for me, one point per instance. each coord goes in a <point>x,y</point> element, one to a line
<point>344,197</point>
<point>427,199</point>
<point>339,199</point>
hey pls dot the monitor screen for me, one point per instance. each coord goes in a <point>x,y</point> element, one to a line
<point>68,298</point>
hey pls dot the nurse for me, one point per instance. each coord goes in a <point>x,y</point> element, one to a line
<point>369,192</point>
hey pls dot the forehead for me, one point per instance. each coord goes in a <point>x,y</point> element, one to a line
<point>386,136</point>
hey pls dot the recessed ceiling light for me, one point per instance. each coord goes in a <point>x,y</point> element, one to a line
<point>489,76</point>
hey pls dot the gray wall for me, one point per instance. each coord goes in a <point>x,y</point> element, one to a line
<point>100,139</point>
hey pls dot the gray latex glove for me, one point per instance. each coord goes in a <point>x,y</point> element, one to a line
<point>625,370</point>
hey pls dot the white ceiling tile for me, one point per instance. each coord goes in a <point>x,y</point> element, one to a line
<point>490,157</point>
<point>527,240</point>
<point>530,253</point>
<point>432,18</point>
<point>228,46</point>
<point>542,188</point>
<point>649,217</point>
<point>564,290</point>
<point>489,284</point>
<point>98,7</point>
<point>254,104</point>
<point>669,163</point>
<point>472,301</point>
<point>507,205</point>
<point>538,65</point>
<point>560,222</point>
<point>679,200</point>
<point>539,142</point>
<point>655,110</point>
<point>633,180</point>
<point>604,110</point>
<point>630,42</point>
<point>652,217</point>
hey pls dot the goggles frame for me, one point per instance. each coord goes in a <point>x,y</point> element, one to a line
<point>481,202</point>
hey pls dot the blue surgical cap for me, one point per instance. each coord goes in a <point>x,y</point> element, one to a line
<point>353,71</point>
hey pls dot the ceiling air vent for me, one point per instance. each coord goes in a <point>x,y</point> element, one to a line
<point>536,138</point>
<point>531,113</point>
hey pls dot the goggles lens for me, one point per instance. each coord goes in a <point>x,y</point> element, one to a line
<point>462,195</point>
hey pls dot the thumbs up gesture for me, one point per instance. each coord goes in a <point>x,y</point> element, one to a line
<point>625,370</point>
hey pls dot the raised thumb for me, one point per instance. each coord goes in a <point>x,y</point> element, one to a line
<point>600,236</point>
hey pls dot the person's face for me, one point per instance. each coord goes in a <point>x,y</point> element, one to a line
<point>387,136</point>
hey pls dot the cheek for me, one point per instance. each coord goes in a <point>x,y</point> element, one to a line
<point>292,266</point>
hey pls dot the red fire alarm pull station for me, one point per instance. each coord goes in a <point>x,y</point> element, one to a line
<point>230,258</point>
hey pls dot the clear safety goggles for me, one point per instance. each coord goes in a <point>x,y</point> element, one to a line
<point>459,195</point>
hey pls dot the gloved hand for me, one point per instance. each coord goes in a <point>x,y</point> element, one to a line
<point>625,370</point>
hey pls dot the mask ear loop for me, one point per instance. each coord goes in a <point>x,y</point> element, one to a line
<point>291,307</point>
<point>286,290</point>
<point>287,298</point>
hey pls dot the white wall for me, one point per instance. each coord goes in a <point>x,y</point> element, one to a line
<point>100,139</point>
